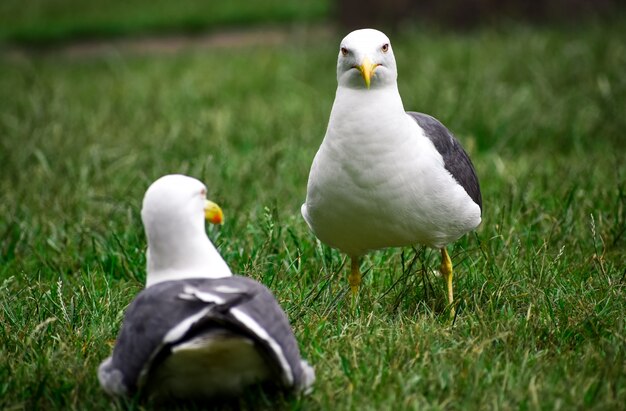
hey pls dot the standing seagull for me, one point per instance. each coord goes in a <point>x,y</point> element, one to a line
<point>196,331</point>
<point>384,177</point>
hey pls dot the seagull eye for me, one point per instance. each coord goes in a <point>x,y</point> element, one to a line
<point>344,51</point>
<point>203,192</point>
<point>385,47</point>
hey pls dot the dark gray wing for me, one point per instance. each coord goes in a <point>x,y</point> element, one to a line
<point>151,315</point>
<point>173,312</point>
<point>260,318</point>
<point>456,160</point>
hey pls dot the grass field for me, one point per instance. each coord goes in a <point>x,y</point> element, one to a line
<point>541,285</point>
<point>44,21</point>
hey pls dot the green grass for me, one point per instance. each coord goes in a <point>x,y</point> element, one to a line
<point>48,21</point>
<point>540,286</point>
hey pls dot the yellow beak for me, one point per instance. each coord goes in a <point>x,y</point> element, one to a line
<point>367,69</point>
<point>213,213</point>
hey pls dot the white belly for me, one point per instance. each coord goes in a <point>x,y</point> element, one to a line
<point>371,195</point>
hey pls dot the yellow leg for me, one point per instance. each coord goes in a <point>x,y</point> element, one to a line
<point>446,271</point>
<point>355,275</point>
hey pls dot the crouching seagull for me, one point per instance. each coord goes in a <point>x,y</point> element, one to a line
<point>196,331</point>
<point>384,177</point>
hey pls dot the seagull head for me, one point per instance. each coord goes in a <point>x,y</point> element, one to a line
<point>178,202</point>
<point>366,60</point>
<point>173,214</point>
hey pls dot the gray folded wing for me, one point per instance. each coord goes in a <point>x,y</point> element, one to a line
<point>456,160</point>
<point>173,312</point>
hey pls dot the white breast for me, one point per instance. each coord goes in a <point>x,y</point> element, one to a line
<point>378,182</point>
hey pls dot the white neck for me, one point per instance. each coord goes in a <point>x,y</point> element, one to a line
<point>363,113</point>
<point>187,255</point>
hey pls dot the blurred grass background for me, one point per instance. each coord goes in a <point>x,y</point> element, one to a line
<point>540,285</point>
<point>52,21</point>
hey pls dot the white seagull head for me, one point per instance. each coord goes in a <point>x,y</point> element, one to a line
<point>173,214</point>
<point>366,60</point>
